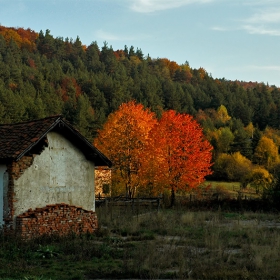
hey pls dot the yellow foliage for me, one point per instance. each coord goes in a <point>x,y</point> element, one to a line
<point>202,73</point>
<point>266,152</point>
<point>223,114</point>
<point>260,178</point>
<point>235,166</point>
<point>250,129</point>
<point>273,134</point>
<point>135,59</point>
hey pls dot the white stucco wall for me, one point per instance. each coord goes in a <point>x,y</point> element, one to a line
<point>60,174</point>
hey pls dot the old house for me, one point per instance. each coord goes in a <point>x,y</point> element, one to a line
<point>47,178</point>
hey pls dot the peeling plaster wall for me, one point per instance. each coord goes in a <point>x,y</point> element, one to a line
<point>60,174</point>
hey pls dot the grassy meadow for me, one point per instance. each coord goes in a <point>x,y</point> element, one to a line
<point>168,244</point>
<point>228,190</point>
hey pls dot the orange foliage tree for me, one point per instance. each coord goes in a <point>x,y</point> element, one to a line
<point>24,38</point>
<point>122,139</point>
<point>151,155</point>
<point>178,156</point>
<point>172,66</point>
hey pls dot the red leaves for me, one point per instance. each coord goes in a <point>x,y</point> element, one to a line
<point>70,86</point>
<point>169,153</point>
<point>183,155</point>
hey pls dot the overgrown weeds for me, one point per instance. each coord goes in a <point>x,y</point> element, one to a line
<point>173,244</point>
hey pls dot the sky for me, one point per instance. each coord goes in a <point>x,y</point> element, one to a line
<point>231,39</point>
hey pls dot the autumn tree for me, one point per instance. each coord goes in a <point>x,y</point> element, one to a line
<point>178,153</point>
<point>24,38</point>
<point>249,129</point>
<point>273,134</point>
<point>234,167</point>
<point>123,139</point>
<point>266,152</point>
<point>220,166</point>
<point>223,114</point>
<point>261,179</point>
<point>237,167</point>
<point>221,140</point>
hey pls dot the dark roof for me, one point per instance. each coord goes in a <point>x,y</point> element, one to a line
<point>18,139</point>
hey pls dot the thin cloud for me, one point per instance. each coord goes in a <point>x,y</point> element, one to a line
<point>264,3</point>
<point>261,30</point>
<point>218,28</point>
<point>264,21</point>
<point>149,6</point>
<point>268,16</point>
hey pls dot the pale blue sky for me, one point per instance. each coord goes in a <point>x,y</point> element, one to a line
<point>231,39</point>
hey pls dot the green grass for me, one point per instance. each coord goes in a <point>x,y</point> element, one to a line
<point>170,244</point>
<point>229,189</point>
<point>233,186</point>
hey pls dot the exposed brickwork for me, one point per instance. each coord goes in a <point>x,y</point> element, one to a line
<point>15,170</point>
<point>59,219</point>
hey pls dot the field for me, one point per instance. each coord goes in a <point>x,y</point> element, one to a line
<point>229,190</point>
<point>168,244</point>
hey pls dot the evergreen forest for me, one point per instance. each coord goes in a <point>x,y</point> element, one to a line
<point>41,76</point>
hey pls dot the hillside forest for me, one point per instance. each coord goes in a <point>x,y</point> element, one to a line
<point>41,76</point>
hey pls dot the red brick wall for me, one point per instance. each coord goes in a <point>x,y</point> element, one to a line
<point>56,219</point>
<point>15,170</point>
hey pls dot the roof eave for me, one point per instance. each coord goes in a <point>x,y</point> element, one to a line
<point>18,157</point>
<point>97,157</point>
